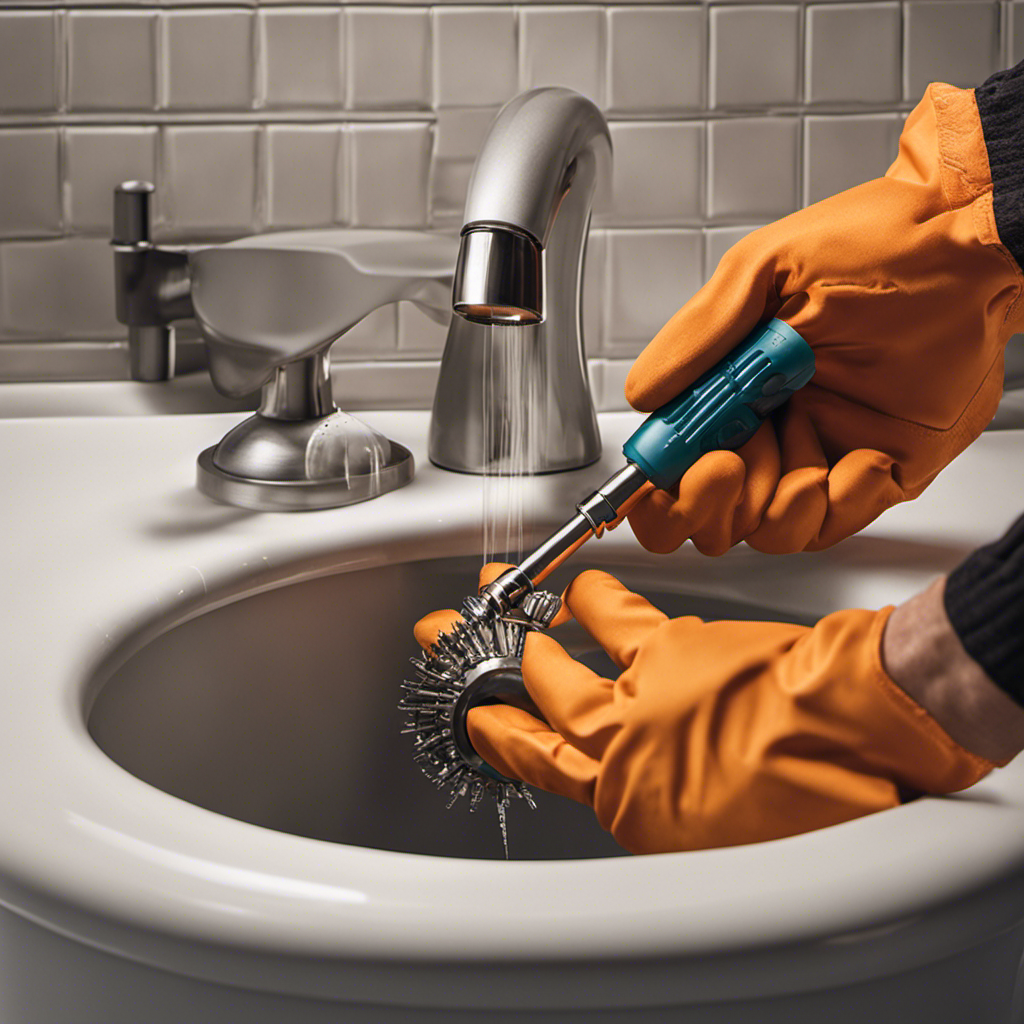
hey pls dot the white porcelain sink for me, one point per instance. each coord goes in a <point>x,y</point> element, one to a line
<point>208,810</point>
<point>279,710</point>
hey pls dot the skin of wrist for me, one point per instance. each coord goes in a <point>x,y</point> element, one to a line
<point>923,655</point>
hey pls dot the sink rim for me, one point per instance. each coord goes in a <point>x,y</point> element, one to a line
<point>89,877</point>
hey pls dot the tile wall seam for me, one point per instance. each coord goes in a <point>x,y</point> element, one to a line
<point>1004,35</point>
<point>258,57</point>
<point>127,5</point>
<point>61,60</point>
<point>305,115</point>
<point>666,226</point>
<point>348,86</point>
<point>161,63</point>
<point>904,51</point>
<point>63,184</point>
<point>260,181</point>
<point>159,217</point>
<point>801,59</point>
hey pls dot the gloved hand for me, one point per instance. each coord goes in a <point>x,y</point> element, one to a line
<point>904,291</point>
<point>718,733</point>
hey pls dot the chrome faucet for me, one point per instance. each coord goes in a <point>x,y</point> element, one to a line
<point>520,263</point>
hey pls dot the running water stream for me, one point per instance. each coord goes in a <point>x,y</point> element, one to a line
<point>512,434</point>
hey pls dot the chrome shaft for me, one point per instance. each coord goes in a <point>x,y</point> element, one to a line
<point>612,499</point>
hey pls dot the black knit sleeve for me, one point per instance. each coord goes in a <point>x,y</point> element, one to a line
<point>1001,106</point>
<point>985,603</point>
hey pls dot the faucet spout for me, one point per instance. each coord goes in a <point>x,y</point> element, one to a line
<point>520,263</point>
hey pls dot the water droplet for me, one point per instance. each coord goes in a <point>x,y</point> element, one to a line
<point>504,825</point>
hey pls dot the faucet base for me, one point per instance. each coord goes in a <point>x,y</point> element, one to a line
<point>270,465</point>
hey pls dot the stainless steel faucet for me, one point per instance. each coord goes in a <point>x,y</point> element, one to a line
<point>520,263</point>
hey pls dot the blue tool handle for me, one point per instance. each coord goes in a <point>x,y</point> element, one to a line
<point>725,407</point>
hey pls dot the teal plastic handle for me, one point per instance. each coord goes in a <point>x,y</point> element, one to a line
<point>725,407</point>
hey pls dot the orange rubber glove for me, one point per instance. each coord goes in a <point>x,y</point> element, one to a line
<point>907,296</point>
<point>718,733</point>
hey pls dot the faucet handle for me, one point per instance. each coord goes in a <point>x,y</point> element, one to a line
<point>132,212</point>
<point>151,285</point>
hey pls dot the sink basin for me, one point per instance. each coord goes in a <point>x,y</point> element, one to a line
<point>210,810</point>
<point>280,710</point>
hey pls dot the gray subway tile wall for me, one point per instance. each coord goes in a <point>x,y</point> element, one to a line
<point>208,59</point>
<point>254,116</point>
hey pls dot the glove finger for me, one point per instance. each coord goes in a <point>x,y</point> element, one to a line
<point>861,486</point>
<point>518,745</point>
<point>726,522</point>
<point>719,499</point>
<point>427,629</point>
<point>613,615</point>
<point>430,626</point>
<point>798,507</point>
<point>575,702</point>
<point>491,571</point>
<point>739,296</point>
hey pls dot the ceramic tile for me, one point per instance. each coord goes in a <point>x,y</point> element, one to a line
<point>209,59</point>
<point>1015,32</point>
<point>612,397</point>
<point>754,55</point>
<point>840,152</point>
<point>375,334</point>
<point>389,174</point>
<point>302,56</point>
<point>98,159</point>
<point>656,58</point>
<point>405,384</point>
<point>111,60</point>
<point>656,178</point>
<point>752,167</point>
<point>388,58</point>
<point>475,61</point>
<point>563,46</point>
<point>59,289</point>
<point>595,377</point>
<point>29,168</point>
<point>210,175</point>
<point>458,136</point>
<point>28,60</point>
<point>650,274</point>
<point>303,175</point>
<point>954,42</point>
<point>718,241</point>
<point>419,334</point>
<point>853,53</point>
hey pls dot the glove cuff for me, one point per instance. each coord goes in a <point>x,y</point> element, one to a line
<point>999,102</point>
<point>984,600</point>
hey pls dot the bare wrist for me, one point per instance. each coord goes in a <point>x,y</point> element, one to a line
<point>924,657</point>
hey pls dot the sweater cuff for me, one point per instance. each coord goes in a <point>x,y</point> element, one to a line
<point>1001,107</point>
<point>984,600</point>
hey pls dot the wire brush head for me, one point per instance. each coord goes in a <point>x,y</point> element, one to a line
<point>478,662</point>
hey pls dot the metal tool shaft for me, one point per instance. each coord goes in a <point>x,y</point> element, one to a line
<point>610,501</point>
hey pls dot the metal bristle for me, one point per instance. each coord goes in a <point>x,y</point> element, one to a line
<point>439,679</point>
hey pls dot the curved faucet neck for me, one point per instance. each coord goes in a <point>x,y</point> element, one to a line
<point>541,165</point>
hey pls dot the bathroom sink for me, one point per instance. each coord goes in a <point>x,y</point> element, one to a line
<point>280,710</point>
<point>209,810</point>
